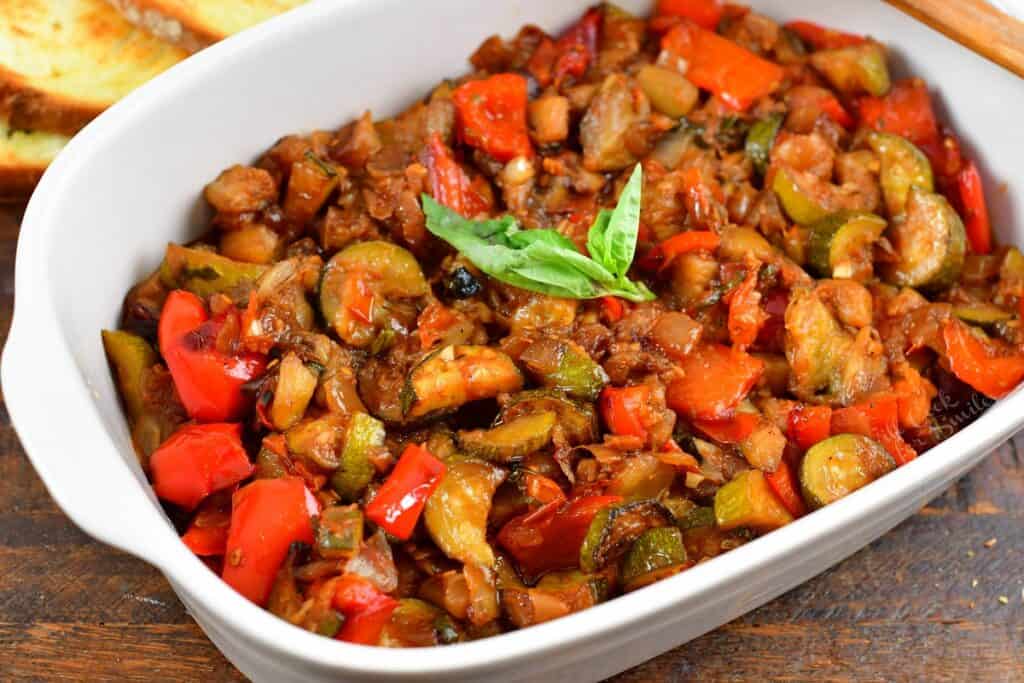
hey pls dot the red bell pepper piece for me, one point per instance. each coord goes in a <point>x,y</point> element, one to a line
<point>433,323</point>
<point>623,409</point>
<point>906,111</point>
<point>784,485</point>
<point>716,378</point>
<point>745,315</point>
<point>731,431</point>
<point>613,308</point>
<point>550,538</point>
<point>397,506</point>
<point>492,116</point>
<point>207,535</point>
<point>366,609</point>
<point>822,37</point>
<point>577,47</point>
<point>449,183</point>
<point>735,75</point>
<point>975,210</point>
<point>704,13</point>
<point>877,418</point>
<point>835,111</point>
<point>981,365</point>
<point>543,489</point>
<point>807,425</point>
<point>672,454</point>
<point>267,516</point>
<point>197,460</point>
<point>662,255</point>
<point>208,381</point>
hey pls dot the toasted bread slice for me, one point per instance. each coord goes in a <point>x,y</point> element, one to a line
<point>62,62</point>
<point>194,24</point>
<point>24,155</point>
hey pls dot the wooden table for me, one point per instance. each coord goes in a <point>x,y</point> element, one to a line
<point>934,600</point>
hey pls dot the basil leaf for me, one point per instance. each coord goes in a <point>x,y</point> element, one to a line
<point>612,239</point>
<point>546,261</point>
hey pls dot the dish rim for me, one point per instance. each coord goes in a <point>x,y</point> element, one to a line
<point>36,328</point>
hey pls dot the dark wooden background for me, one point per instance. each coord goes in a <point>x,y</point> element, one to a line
<point>934,600</point>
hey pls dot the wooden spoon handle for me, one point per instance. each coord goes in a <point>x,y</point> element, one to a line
<point>974,24</point>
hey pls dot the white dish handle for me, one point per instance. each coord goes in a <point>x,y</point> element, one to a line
<point>99,491</point>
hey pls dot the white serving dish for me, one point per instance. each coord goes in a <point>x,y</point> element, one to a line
<point>131,181</point>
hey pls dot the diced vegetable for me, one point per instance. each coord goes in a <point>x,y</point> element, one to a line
<point>295,386</point>
<point>784,484</point>
<point>549,119</point>
<point>605,128</point>
<point>310,183</point>
<point>455,375</point>
<point>492,115</point>
<point>253,243</point>
<point>975,210</point>
<point>823,37</point>
<point>696,518</point>
<point>735,75</point>
<point>414,623</point>
<point>658,553</point>
<point>317,440</point>
<point>208,381</point>
<point>761,139</point>
<point>397,506</point>
<point>267,516</point>
<point>877,418</point>
<point>745,315</point>
<point>906,111</point>
<point>198,460</point>
<point>981,314</point>
<point>840,245</point>
<point>566,367</point>
<point>623,409</point>
<point>355,471</point>
<point>456,512</point>
<point>930,243</point>
<point>207,535</point>
<point>748,501</point>
<point>704,13</point>
<point>358,282</point>
<point>510,440</point>
<point>903,166</point>
<point>669,91</point>
<point>798,198</point>
<point>840,465</point>
<point>449,183</point>
<point>367,610</point>
<point>982,365</point>
<point>577,419</point>
<point>614,529</point>
<point>809,424</point>
<point>855,69</point>
<point>716,378</point>
<point>550,538</point>
<point>339,532</point>
<point>205,273</point>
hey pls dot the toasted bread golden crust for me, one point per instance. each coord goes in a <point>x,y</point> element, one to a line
<point>62,62</point>
<point>194,24</point>
<point>24,156</point>
<point>178,31</point>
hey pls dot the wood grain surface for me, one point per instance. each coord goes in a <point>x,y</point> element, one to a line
<point>935,600</point>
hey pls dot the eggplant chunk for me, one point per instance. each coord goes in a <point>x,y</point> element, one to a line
<point>604,130</point>
<point>205,273</point>
<point>839,465</point>
<point>576,419</point>
<point>930,243</point>
<point>456,513</point>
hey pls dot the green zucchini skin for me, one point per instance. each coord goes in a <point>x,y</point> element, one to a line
<point>930,242</point>
<point>839,465</point>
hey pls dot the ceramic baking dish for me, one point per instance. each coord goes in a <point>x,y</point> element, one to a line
<point>132,181</point>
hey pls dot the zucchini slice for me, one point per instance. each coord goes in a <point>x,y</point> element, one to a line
<point>355,470</point>
<point>339,532</point>
<point>510,440</point>
<point>981,314</point>
<point>205,273</point>
<point>840,245</point>
<point>903,166</point>
<point>799,199</point>
<point>614,529</point>
<point>452,376</point>
<point>748,501</point>
<point>456,512</point>
<point>761,139</point>
<point>930,243</point>
<point>840,465</point>
<point>564,366</point>
<point>415,623</point>
<point>855,69</point>
<point>576,418</point>
<point>657,554</point>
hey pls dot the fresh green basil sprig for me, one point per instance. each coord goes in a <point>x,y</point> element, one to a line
<point>546,261</point>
